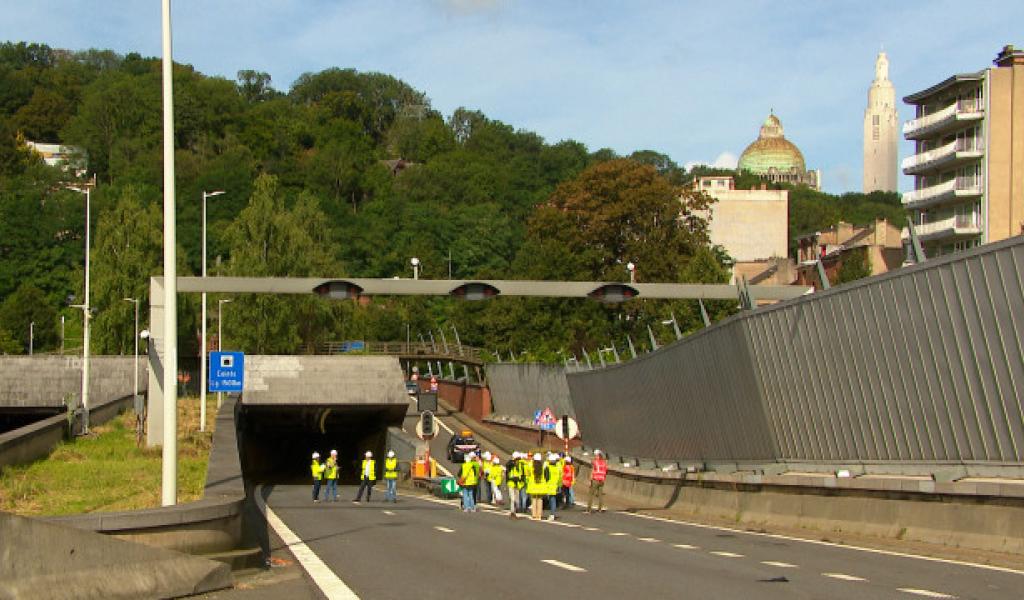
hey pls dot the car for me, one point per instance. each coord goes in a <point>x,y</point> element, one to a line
<point>412,388</point>
<point>460,445</point>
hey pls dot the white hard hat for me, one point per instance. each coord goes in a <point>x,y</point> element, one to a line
<point>487,455</point>
<point>369,454</point>
<point>391,453</point>
<point>536,456</point>
<point>496,460</point>
<point>471,455</point>
<point>568,459</point>
<point>334,452</point>
<point>596,452</point>
<point>316,455</point>
<point>552,456</point>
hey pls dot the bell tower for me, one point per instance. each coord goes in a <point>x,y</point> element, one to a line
<point>880,131</point>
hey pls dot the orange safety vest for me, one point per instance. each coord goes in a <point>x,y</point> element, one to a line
<point>600,469</point>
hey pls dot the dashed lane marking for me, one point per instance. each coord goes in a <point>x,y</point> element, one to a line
<point>388,512</point>
<point>686,546</point>
<point>726,554</point>
<point>781,565</point>
<point>617,534</point>
<point>649,539</point>
<point>925,593</point>
<point>591,529</point>
<point>777,536</point>
<point>327,580</point>
<point>844,576</point>
<point>443,529</point>
<point>562,565</point>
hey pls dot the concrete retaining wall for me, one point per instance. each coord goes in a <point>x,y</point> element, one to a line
<point>45,381</point>
<point>519,390</point>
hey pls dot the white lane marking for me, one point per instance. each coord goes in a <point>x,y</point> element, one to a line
<point>926,593</point>
<point>329,583</point>
<point>686,546</point>
<point>444,470</point>
<point>562,565</point>
<point>726,554</point>
<point>591,529</point>
<point>388,512</point>
<point>844,576</point>
<point>443,426</point>
<point>778,536</point>
<point>775,563</point>
<point>617,533</point>
<point>649,539</point>
<point>444,529</point>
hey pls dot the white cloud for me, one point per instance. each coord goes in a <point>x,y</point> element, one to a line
<point>725,160</point>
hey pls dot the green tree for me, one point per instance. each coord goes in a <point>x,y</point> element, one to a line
<point>8,345</point>
<point>856,265</point>
<point>28,305</point>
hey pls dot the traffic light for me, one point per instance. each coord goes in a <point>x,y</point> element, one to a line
<point>427,420</point>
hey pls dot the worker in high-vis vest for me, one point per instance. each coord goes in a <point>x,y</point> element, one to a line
<point>484,491</point>
<point>598,473</point>
<point>391,477</point>
<point>514,477</point>
<point>536,487</point>
<point>568,481</point>
<point>331,476</point>
<point>469,476</point>
<point>367,477</point>
<point>318,474</point>
<point>552,481</point>
<point>496,476</point>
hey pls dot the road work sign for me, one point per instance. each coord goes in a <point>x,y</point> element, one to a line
<point>567,428</point>
<point>545,419</point>
<point>227,371</point>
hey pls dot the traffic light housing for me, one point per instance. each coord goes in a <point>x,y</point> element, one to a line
<point>427,423</point>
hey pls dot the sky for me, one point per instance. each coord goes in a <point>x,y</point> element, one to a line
<point>693,80</point>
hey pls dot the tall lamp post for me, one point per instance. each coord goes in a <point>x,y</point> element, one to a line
<point>415,262</point>
<point>169,470</point>
<point>135,397</point>
<point>202,361</point>
<point>31,336</point>
<point>220,338</point>
<point>86,316</point>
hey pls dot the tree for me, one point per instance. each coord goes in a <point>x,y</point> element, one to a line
<point>28,305</point>
<point>856,265</point>
<point>8,345</point>
<point>254,86</point>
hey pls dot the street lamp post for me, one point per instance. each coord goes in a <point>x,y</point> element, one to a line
<point>31,336</point>
<point>415,262</point>
<point>220,338</point>
<point>202,360</point>
<point>632,272</point>
<point>86,315</point>
<point>169,470</point>
<point>135,396</point>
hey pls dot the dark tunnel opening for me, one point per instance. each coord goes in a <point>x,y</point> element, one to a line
<point>16,418</point>
<point>276,442</point>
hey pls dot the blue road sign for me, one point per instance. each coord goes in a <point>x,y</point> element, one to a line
<point>227,371</point>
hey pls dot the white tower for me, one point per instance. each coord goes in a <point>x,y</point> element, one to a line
<point>880,131</point>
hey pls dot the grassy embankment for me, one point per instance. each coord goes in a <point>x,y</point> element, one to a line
<point>105,471</point>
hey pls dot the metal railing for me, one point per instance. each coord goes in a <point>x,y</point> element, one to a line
<point>942,152</point>
<point>458,352</point>
<point>969,107</point>
<point>959,184</point>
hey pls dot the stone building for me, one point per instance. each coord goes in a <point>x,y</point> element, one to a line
<point>880,132</point>
<point>881,242</point>
<point>776,159</point>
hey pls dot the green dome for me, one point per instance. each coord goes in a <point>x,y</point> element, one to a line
<point>771,150</point>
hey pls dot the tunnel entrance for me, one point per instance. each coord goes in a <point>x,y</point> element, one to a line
<point>276,441</point>
<point>15,418</point>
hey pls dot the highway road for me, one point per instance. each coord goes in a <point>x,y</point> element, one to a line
<point>424,547</point>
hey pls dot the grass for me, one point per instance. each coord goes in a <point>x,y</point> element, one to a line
<point>105,471</point>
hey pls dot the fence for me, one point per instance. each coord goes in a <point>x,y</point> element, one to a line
<point>921,364</point>
<point>519,390</point>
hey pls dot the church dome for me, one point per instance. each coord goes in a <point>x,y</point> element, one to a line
<point>771,150</point>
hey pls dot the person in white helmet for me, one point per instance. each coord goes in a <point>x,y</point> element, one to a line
<point>469,476</point>
<point>331,476</point>
<point>484,487</point>
<point>496,476</point>
<point>536,487</point>
<point>367,477</point>
<point>318,475</point>
<point>391,477</point>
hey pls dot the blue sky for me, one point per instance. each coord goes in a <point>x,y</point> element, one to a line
<point>691,79</point>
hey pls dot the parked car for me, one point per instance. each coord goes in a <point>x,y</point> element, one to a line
<point>460,445</point>
<point>412,388</point>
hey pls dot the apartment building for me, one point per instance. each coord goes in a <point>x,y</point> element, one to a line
<point>968,164</point>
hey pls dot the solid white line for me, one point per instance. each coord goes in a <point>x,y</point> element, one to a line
<point>329,583</point>
<point>649,539</point>
<point>927,593</point>
<point>388,512</point>
<point>562,565</point>
<point>774,563</point>
<point>685,546</point>
<point>444,470</point>
<point>443,426</point>
<point>844,576</point>
<point>727,554</point>
<point>444,529</point>
<point>778,536</point>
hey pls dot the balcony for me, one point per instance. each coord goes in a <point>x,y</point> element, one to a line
<point>945,120</point>
<point>954,189</point>
<point>955,226</point>
<point>951,154</point>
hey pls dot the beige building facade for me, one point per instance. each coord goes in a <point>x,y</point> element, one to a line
<point>881,243</point>
<point>881,132</point>
<point>750,224</point>
<point>968,165</point>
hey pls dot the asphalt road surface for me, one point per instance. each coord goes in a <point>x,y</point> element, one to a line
<point>423,547</point>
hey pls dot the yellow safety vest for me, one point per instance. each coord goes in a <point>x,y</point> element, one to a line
<point>469,474</point>
<point>515,476</point>
<point>318,470</point>
<point>553,475</point>
<point>534,487</point>
<point>332,468</point>
<point>373,470</point>
<point>495,475</point>
<point>390,468</point>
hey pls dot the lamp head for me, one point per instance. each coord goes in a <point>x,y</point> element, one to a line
<point>144,334</point>
<point>213,193</point>
<point>414,261</point>
<point>630,266</point>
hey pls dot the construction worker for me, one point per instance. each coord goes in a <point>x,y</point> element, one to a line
<point>331,475</point>
<point>536,487</point>
<point>496,477</point>
<point>318,475</point>
<point>552,481</point>
<point>560,463</point>
<point>367,477</point>
<point>469,476</point>
<point>524,498</point>
<point>514,475</point>
<point>485,487</point>
<point>568,481</point>
<point>391,477</point>
<point>598,473</point>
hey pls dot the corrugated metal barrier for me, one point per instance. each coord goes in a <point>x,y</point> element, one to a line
<point>520,389</point>
<point>921,364</point>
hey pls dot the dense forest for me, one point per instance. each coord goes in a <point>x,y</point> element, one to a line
<point>345,174</point>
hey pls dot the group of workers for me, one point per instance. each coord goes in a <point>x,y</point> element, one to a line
<point>329,470</point>
<point>530,481</point>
